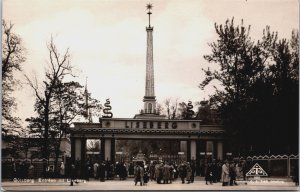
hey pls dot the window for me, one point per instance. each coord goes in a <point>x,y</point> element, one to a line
<point>149,108</point>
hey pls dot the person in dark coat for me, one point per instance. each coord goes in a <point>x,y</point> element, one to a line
<point>101,170</point>
<point>182,171</point>
<point>131,169</point>
<point>31,171</point>
<point>176,172</point>
<point>296,175</point>
<point>166,173</point>
<point>152,171</point>
<point>88,169</point>
<point>138,174</point>
<point>218,171</point>
<point>13,170</point>
<point>146,177</point>
<point>232,174</point>
<point>214,171</point>
<point>193,166</point>
<point>159,172</point>
<point>122,171</point>
<point>171,172</point>
<point>73,174</point>
<point>188,172</point>
<point>209,174</point>
<point>78,167</point>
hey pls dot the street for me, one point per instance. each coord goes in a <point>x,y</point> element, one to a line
<point>128,185</point>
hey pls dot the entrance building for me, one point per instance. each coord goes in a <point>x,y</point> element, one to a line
<point>197,141</point>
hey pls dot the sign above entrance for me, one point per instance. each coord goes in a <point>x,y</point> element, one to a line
<point>256,171</point>
<point>149,124</point>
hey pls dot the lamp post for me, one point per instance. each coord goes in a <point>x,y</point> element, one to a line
<point>160,154</point>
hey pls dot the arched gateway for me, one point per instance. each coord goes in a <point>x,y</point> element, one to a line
<point>197,141</point>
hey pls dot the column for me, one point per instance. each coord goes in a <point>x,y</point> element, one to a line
<point>107,149</point>
<point>209,149</point>
<point>102,149</point>
<point>77,149</point>
<point>220,150</point>
<point>183,147</point>
<point>72,149</point>
<point>288,166</point>
<point>188,153</point>
<point>198,157</point>
<point>215,150</point>
<point>113,151</point>
<point>83,160</point>
<point>202,157</point>
<point>193,150</point>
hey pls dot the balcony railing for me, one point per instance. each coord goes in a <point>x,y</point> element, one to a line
<point>154,111</point>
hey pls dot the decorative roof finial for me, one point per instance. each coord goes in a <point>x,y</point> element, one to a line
<point>149,7</point>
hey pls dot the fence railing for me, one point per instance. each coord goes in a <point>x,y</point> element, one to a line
<point>20,168</point>
<point>276,165</point>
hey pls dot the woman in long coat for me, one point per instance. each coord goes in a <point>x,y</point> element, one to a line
<point>188,172</point>
<point>225,174</point>
<point>166,173</point>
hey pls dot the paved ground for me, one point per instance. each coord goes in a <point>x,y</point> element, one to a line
<point>128,185</point>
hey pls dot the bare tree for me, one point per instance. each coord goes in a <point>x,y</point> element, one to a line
<point>58,67</point>
<point>12,58</point>
<point>171,106</point>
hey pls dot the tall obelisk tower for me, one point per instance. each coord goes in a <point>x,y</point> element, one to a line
<point>149,111</point>
<point>149,98</point>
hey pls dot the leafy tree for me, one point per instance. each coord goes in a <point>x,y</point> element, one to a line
<point>233,52</point>
<point>260,81</point>
<point>207,114</point>
<point>12,58</point>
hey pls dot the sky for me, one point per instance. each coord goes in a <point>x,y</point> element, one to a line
<point>107,42</point>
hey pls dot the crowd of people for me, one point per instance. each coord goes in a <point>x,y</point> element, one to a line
<point>164,172</point>
<point>227,172</point>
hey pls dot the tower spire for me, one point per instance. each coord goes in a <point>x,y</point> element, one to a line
<point>149,7</point>
<point>149,100</point>
<point>88,111</point>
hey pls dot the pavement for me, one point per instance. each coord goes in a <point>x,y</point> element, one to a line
<point>271,184</point>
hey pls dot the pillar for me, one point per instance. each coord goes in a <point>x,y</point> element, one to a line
<point>83,159</point>
<point>72,149</point>
<point>193,150</point>
<point>77,149</point>
<point>198,157</point>
<point>188,153</point>
<point>288,166</point>
<point>112,150</point>
<point>209,148</point>
<point>220,150</point>
<point>107,149</point>
<point>183,147</point>
<point>102,149</point>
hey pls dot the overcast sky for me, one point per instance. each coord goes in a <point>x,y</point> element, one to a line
<point>107,41</point>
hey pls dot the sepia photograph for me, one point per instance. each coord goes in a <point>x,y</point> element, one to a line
<point>143,95</point>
